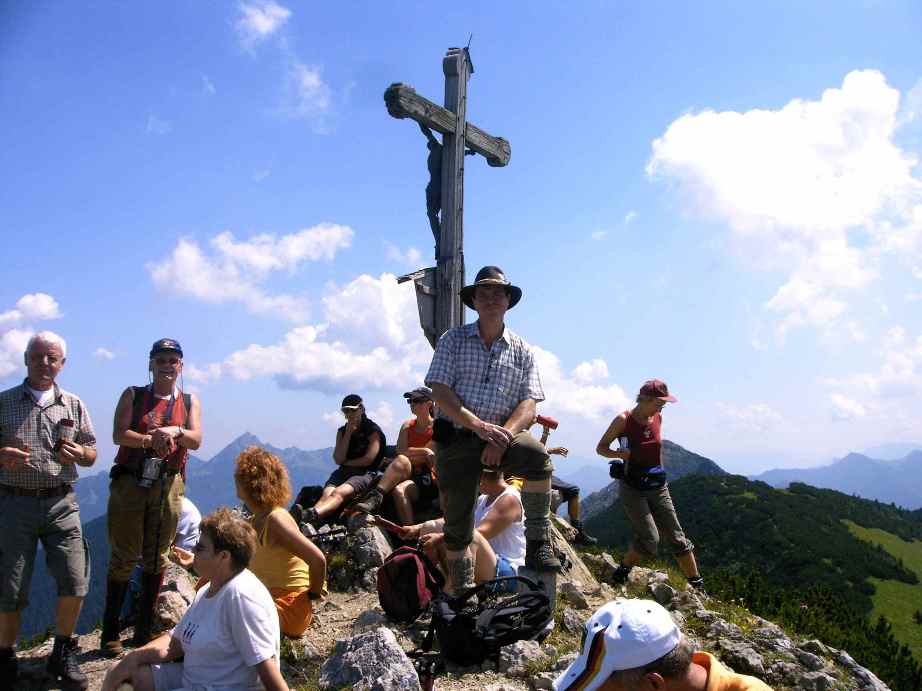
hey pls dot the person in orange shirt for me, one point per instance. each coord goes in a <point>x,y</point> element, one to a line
<point>634,645</point>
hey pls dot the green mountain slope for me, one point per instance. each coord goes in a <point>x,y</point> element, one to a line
<point>897,601</point>
<point>793,537</point>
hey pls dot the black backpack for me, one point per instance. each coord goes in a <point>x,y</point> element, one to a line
<point>470,631</point>
<point>407,582</point>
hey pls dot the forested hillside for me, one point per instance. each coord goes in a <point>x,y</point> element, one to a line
<point>789,555</point>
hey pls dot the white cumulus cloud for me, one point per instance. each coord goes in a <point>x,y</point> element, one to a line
<point>821,182</point>
<point>752,417</point>
<point>234,269</point>
<point>32,307</point>
<point>369,338</point>
<point>103,354</point>
<point>411,257</point>
<point>585,393</point>
<point>890,392</point>
<point>15,331</point>
<point>259,20</point>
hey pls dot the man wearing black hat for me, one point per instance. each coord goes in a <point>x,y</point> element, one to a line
<point>486,384</point>
<point>155,427</point>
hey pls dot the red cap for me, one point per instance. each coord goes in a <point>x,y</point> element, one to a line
<point>654,388</point>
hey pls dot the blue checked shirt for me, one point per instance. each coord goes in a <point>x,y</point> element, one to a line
<point>23,421</point>
<point>490,382</point>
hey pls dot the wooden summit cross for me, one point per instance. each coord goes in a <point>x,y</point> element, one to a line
<point>437,288</point>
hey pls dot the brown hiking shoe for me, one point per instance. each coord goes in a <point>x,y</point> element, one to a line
<point>539,556</point>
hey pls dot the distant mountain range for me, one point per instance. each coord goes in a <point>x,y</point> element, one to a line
<point>893,481</point>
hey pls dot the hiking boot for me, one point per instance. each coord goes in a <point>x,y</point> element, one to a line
<point>620,574</point>
<point>582,537</point>
<point>697,583</point>
<point>109,643</point>
<point>147,604</point>
<point>9,667</point>
<point>370,503</point>
<point>62,665</point>
<point>539,556</point>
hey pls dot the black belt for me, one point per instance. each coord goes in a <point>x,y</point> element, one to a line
<point>41,493</point>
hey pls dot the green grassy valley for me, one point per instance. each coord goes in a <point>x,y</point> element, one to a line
<point>897,601</point>
<point>823,563</point>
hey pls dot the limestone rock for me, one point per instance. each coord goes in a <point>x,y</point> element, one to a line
<point>812,662</point>
<point>514,657</point>
<point>368,621</point>
<point>662,592</point>
<point>370,548</point>
<point>565,661</point>
<point>571,621</point>
<point>816,681</point>
<point>570,591</point>
<point>741,656</point>
<point>544,680</point>
<point>372,661</point>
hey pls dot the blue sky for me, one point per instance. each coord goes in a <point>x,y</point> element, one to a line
<point>726,197</point>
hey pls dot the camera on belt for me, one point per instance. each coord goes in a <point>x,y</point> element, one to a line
<point>617,468</point>
<point>152,469</point>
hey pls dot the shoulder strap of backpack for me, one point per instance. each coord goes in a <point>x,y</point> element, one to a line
<point>139,393</point>
<point>187,404</point>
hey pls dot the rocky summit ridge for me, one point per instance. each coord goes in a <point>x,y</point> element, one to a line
<point>352,644</point>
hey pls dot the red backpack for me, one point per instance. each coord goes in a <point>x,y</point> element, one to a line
<point>407,583</point>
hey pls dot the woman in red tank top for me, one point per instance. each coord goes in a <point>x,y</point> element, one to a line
<point>643,490</point>
<point>404,477</point>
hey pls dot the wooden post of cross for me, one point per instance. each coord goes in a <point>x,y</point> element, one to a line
<point>437,288</point>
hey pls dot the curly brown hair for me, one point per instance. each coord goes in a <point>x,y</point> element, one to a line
<point>263,477</point>
<point>228,531</point>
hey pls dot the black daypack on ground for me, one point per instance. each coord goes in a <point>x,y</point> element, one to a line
<point>407,582</point>
<point>473,627</point>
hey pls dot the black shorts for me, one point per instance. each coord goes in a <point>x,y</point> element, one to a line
<point>343,474</point>
<point>363,483</point>
<point>567,491</point>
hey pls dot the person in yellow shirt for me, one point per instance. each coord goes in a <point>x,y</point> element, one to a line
<point>292,567</point>
<point>634,645</point>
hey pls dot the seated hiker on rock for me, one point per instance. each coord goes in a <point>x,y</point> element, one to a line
<point>285,561</point>
<point>568,491</point>
<point>228,638</point>
<point>358,453</point>
<point>635,644</point>
<point>643,489</point>
<point>499,531</point>
<point>409,476</point>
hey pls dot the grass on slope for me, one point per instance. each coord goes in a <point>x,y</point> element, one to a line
<point>895,600</point>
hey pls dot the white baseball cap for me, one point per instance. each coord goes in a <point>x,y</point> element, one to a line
<point>623,634</point>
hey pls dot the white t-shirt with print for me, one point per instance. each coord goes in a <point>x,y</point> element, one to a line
<point>224,637</point>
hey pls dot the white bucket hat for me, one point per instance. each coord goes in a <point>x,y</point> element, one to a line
<point>623,634</point>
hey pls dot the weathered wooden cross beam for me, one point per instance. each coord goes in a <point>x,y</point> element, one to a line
<point>437,288</point>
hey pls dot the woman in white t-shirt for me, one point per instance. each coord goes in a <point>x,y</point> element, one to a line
<point>229,637</point>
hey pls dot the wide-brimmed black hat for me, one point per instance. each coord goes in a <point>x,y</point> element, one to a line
<point>491,276</point>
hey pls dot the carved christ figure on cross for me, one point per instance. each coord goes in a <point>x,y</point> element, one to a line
<point>434,188</point>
